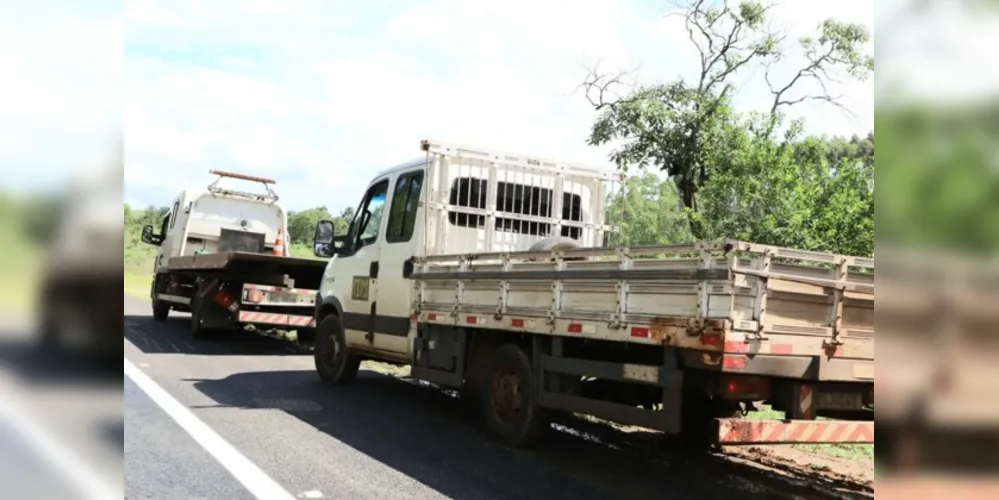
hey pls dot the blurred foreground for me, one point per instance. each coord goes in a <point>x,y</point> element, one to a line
<point>938,236</point>
<point>61,426</point>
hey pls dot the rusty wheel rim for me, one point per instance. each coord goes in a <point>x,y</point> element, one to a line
<point>505,397</point>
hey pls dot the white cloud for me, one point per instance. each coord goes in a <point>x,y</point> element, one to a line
<point>320,95</point>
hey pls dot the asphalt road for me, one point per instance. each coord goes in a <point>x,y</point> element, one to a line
<point>25,473</point>
<point>382,437</point>
<point>60,422</point>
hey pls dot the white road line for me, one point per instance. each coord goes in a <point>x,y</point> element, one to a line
<point>73,468</point>
<point>256,481</point>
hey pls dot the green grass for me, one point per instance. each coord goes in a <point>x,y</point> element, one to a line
<point>304,251</point>
<point>20,267</point>
<point>138,268</point>
<point>848,451</point>
<point>137,285</point>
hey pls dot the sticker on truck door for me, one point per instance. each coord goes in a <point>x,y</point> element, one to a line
<point>359,290</point>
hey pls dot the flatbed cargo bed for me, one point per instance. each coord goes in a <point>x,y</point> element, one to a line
<point>306,273</point>
<point>735,306</point>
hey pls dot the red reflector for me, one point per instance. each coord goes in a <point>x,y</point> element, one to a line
<point>711,339</point>
<point>471,320</point>
<point>744,387</point>
<point>517,323</point>
<point>734,362</point>
<point>736,347</point>
<point>781,348</point>
<point>575,328</point>
<point>431,316</point>
<point>640,331</point>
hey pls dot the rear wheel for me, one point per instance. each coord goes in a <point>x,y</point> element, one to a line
<point>334,364</point>
<point>698,414</point>
<point>198,329</point>
<point>160,310</point>
<point>509,401</point>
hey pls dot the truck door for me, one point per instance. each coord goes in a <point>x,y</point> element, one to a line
<point>357,270</point>
<point>395,290</point>
<point>170,239</point>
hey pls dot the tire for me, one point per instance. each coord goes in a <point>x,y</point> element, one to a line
<point>555,243</point>
<point>509,402</point>
<point>198,330</point>
<point>698,414</point>
<point>160,310</point>
<point>334,364</point>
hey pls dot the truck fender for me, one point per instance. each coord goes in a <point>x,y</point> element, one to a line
<point>327,305</point>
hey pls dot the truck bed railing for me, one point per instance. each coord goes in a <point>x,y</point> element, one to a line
<point>269,197</point>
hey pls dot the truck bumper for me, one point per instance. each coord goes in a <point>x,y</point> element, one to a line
<point>735,431</point>
<point>276,319</point>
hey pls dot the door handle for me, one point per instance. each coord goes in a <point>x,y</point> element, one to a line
<point>373,270</point>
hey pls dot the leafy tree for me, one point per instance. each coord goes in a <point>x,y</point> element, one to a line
<point>679,126</point>
<point>302,225</point>
<point>944,186</point>
<point>811,193</point>
<point>648,212</point>
<point>347,214</point>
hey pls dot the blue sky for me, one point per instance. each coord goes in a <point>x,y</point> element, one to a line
<point>320,94</point>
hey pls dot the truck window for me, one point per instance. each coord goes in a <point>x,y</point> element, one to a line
<point>165,225</point>
<point>514,199</point>
<point>405,201</point>
<point>370,214</point>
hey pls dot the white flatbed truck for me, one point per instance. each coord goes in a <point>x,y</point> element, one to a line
<point>222,257</point>
<point>486,272</point>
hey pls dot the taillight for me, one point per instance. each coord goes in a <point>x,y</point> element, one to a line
<point>224,299</point>
<point>744,388</point>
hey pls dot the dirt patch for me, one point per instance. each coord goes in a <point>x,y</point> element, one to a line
<point>858,473</point>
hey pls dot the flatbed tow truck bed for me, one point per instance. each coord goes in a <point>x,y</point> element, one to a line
<point>229,290</point>
<point>306,273</point>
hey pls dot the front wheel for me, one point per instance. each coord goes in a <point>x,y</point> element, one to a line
<point>334,364</point>
<point>509,402</point>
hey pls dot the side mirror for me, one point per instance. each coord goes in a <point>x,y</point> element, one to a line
<point>322,242</point>
<point>149,238</point>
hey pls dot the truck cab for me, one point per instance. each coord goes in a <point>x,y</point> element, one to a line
<point>455,200</point>
<point>215,219</point>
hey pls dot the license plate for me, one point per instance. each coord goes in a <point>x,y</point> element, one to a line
<point>839,401</point>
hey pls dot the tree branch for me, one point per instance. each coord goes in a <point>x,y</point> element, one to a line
<point>598,87</point>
